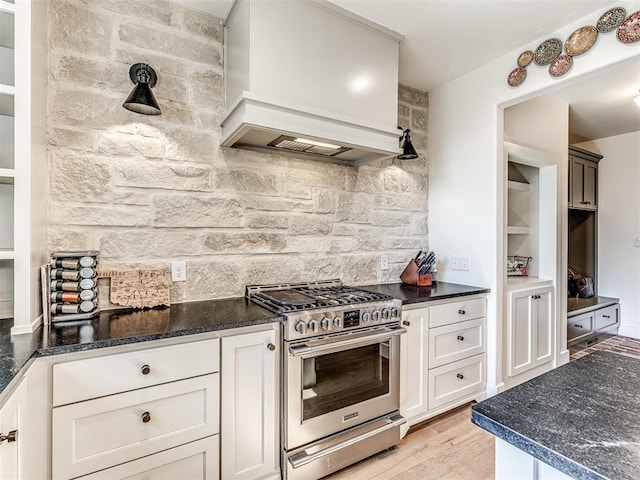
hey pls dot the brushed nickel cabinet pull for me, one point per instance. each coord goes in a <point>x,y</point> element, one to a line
<point>460,376</point>
<point>461,312</point>
<point>12,436</point>
<point>146,369</point>
<point>460,337</point>
<point>146,417</point>
<point>271,347</point>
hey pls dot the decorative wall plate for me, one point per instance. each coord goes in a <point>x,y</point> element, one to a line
<point>629,30</point>
<point>560,65</point>
<point>581,40</point>
<point>547,51</point>
<point>517,76</point>
<point>525,58</point>
<point>611,19</point>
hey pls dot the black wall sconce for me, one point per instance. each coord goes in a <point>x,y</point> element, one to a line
<point>408,152</point>
<point>141,99</point>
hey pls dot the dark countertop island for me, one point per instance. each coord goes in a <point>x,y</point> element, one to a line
<point>582,418</point>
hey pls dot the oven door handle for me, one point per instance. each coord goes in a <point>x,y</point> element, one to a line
<point>303,458</point>
<point>304,349</point>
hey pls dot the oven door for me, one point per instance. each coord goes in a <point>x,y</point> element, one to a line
<point>337,382</point>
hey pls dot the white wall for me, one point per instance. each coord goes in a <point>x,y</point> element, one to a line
<point>619,224</point>
<point>465,138</point>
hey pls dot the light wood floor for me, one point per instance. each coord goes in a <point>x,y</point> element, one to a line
<point>448,448</point>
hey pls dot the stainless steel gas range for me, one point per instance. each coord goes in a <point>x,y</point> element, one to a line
<point>341,365</point>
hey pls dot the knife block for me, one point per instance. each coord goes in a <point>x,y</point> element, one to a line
<point>410,276</point>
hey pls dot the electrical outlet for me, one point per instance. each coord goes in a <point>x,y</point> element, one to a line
<point>460,262</point>
<point>179,271</point>
<point>384,261</point>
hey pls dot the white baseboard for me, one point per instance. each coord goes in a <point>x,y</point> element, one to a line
<point>629,331</point>
<point>27,328</point>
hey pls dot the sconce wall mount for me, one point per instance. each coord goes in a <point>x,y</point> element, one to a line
<point>141,99</point>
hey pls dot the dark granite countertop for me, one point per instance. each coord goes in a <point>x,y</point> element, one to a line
<point>438,291</point>
<point>578,306</point>
<point>582,418</point>
<point>120,327</point>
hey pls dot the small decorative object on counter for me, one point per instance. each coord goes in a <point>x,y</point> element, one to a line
<point>517,266</point>
<point>72,291</point>
<point>421,270</point>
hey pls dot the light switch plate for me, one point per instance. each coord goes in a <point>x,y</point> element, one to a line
<point>384,261</point>
<point>460,262</point>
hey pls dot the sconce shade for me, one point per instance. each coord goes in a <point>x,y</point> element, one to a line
<point>408,152</point>
<point>141,99</point>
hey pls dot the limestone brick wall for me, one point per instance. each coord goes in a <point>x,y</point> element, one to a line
<point>147,190</point>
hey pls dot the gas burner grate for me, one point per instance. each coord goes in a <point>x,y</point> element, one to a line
<point>319,294</point>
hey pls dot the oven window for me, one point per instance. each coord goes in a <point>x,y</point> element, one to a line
<point>337,380</point>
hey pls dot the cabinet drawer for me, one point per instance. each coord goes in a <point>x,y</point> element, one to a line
<point>456,380</point>
<point>579,328</point>
<point>606,317</point>
<point>453,312</point>
<point>194,461</point>
<point>96,377</point>
<point>107,431</point>
<point>456,341</point>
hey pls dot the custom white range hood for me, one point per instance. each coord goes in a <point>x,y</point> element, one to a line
<point>310,77</point>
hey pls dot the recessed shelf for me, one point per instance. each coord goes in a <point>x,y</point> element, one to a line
<point>7,175</point>
<point>6,254</point>
<point>7,7</point>
<point>518,186</point>
<point>7,89</point>
<point>517,230</point>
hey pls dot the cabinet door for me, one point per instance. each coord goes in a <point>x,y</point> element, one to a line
<point>577,178</point>
<point>12,415</point>
<point>543,326</point>
<point>249,406</point>
<point>589,185</point>
<point>583,186</point>
<point>520,333</point>
<point>413,363</point>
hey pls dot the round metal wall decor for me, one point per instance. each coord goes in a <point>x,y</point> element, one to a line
<point>629,30</point>
<point>517,76</point>
<point>611,19</point>
<point>525,58</point>
<point>581,40</point>
<point>547,51</point>
<point>560,65</point>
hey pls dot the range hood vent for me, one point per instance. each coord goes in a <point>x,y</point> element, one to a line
<point>308,146</point>
<point>334,99</point>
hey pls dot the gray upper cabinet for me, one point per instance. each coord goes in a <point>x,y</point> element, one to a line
<point>583,179</point>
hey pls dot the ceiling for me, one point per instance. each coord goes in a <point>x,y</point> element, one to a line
<point>445,39</point>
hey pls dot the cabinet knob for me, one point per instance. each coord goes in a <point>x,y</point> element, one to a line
<point>406,323</point>
<point>12,436</point>
<point>271,347</point>
<point>461,312</point>
<point>146,417</point>
<point>146,369</point>
<point>460,376</point>
<point>606,316</point>
<point>577,325</point>
<point>460,337</point>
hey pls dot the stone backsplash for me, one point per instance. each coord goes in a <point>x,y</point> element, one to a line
<point>147,190</point>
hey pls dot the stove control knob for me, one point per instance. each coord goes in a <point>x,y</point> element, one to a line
<point>365,317</point>
<point>375,315</point>
<point>336,321</point>
<point>395,312</point>
<point>301,327</point>
<point>325,323</point>
<point>313,325</point>
<point>386,313</point>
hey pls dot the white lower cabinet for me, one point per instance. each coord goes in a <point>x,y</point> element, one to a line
<point>149,414</point>
<point>443,360</point>
<point>12,450</point>
<point>197,460</point>
<point>530,329</point>
<point>249,427</point>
